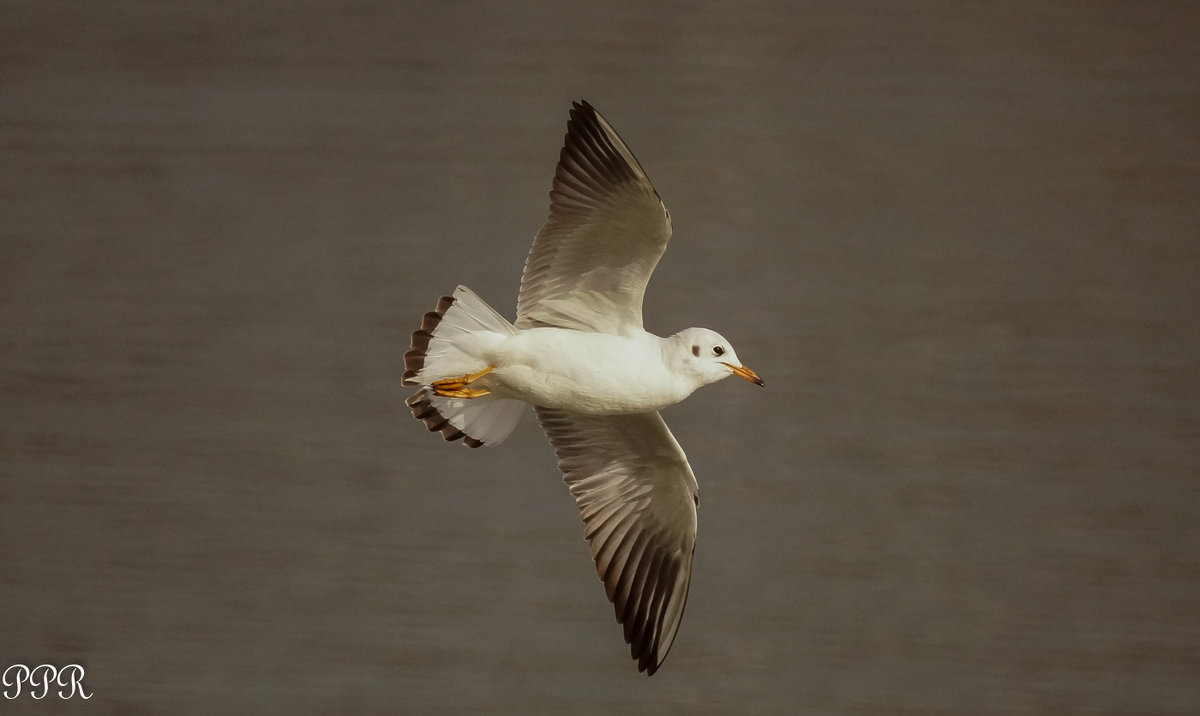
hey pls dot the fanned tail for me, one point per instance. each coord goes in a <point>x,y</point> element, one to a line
<point>442,348</point>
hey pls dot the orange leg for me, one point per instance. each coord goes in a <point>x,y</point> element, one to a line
<point>460,387</point>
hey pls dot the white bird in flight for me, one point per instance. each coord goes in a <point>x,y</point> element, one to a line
<point>596,378</point>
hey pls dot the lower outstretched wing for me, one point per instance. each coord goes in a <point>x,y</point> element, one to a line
<point>637,496</point>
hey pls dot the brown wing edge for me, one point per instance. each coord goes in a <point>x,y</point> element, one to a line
<point>594,159</point>
<point>643,618</point>
<point>594,162</point>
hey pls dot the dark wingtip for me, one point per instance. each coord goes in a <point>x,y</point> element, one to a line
<point>593,159</point>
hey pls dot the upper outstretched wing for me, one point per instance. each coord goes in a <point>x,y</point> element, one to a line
<point>607,229</point>
<point>637,496</point>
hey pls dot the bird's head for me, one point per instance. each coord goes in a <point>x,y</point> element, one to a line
<point>708,356</point>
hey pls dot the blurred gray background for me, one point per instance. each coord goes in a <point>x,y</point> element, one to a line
<point>960,242</point>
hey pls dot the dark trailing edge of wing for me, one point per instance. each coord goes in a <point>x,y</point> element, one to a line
<point>589,164</point>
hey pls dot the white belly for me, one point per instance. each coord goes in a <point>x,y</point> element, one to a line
<point>583,373</point>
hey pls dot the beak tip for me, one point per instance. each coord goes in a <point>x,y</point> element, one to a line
<point>743,372</point>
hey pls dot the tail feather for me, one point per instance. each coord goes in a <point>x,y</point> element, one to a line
<point>441,348</point>
<point>421,403</point>
<point>414,359</point>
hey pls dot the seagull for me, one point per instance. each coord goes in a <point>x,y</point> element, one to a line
<point>596,378</point>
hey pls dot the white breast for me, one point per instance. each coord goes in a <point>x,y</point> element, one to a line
<point>585,373</point>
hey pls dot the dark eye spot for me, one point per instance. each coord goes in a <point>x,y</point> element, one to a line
<point>718,351</point>
<point>696,351</point>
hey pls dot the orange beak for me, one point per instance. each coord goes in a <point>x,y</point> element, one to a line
<point>743,372</point>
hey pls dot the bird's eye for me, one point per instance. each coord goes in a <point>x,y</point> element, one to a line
<point>696,351</point>
<point>718,351</point>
